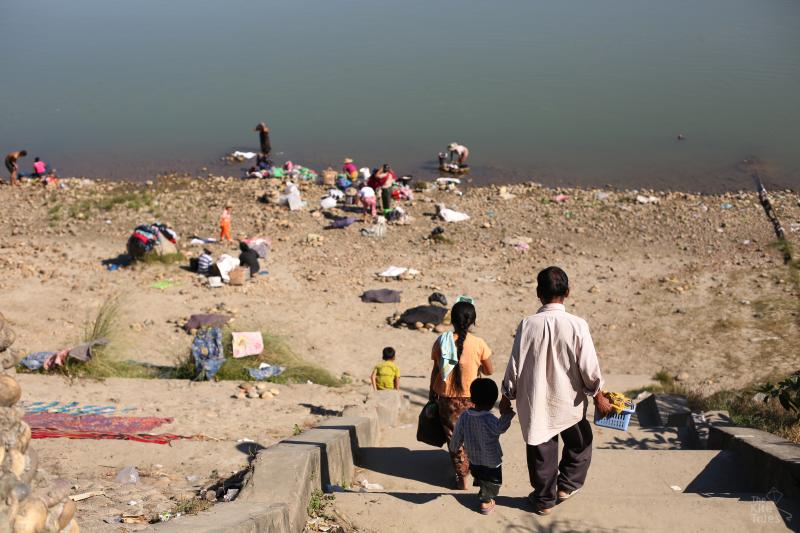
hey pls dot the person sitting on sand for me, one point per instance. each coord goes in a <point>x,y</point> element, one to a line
<point>350,169</point>
<point>225,224</point>
<point>204,262</point>
<point>249,258</point>
<point>39,168</point>
<point>12,164</point>
<point>478,430</point>
<point>263,139</point>
<point>366,195</point>
<point>386,375</point>
<point>458,153</point>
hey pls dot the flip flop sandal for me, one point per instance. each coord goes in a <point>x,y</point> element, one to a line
<point>487,510</point>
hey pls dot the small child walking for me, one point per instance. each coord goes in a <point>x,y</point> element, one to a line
<point>225,224</point>
<point>386,375</point>
<point>479,430</point>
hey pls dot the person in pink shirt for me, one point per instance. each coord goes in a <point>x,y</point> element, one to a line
<point>39,168</point>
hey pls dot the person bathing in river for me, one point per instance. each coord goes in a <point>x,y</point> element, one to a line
<point>263,138</point>
<point>458,154</point>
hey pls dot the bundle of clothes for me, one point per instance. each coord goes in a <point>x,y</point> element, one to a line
<point>147,236</point>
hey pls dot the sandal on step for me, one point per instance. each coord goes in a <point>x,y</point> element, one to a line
<point>488,509</point>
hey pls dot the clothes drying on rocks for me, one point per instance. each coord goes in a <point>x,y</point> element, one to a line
<point>341,222</point>
<point>207,352</point>
<point>427,314</point>
<point>147,237</point>
<point>210,320</point>
<point>437,297</point>
<point>261,245</point>
<point>246,343</point>
<point>381,296</point>
<point>50,360</point>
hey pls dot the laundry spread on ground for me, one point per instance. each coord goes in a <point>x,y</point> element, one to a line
<point>100,423</point>
<point>50,360</point>
<point>247,343</point>
<point>207,352</point>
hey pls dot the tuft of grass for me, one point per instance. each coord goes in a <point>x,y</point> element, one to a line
<point>134,200</point>
<point>318,503</point>
<point>276,352</point>
<point>743,408</point>
<point>104,325</point>
<point>193,506</point>
<point>152,258</point>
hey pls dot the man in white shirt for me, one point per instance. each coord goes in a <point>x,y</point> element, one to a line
<point>552,370</point>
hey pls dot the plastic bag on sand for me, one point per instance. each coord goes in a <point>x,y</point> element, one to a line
<point>367,486</point>
<point>225,264</point>
<point>450,215</point>
<point>128,475</point>
<point>327,203</point>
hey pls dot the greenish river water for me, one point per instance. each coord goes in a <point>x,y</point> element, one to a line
<point>574,91</point>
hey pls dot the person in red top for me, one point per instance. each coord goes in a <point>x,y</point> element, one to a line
<point>382,180</point>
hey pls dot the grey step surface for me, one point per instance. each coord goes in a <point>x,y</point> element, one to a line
<point>640,480</point>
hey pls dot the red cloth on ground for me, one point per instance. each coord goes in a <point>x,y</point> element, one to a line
<point>165,438</point>
<point>101,423</point>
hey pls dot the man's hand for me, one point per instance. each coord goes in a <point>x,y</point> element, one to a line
<point>505,405</point>
<point>602,405</point>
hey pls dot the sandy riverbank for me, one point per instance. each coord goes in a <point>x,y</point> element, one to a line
<point>683,285</point>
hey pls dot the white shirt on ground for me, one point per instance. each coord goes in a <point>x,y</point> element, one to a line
<point>552,369</point>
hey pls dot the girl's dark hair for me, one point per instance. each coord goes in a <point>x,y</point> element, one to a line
<point>462,317</point>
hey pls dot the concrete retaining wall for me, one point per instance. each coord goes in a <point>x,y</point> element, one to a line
<point>276,495</point>
<point>769,461</point>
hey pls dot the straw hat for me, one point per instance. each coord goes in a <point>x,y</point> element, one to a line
<point>452,146</point>
<point>347,160</point>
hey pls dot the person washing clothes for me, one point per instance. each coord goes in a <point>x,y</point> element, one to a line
<point>225,224</point>
<point>366,195</point>
<point>350,169</point>
<point>458,154</point>
<point>39,168</point>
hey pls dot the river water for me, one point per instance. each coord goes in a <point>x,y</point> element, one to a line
<point>572,92</point>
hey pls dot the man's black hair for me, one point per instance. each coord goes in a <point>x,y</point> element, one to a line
<point>552,283</point>
<point>388,353</point>
<point>483,393</point>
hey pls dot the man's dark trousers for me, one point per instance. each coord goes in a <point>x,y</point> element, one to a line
<point>548,475</point>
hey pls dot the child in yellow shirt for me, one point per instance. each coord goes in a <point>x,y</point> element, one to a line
<point>386,375</point>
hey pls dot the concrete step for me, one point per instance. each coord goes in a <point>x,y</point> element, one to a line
<point>434,512</point>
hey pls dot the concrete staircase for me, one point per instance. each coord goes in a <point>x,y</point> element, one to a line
<point>640,480</point>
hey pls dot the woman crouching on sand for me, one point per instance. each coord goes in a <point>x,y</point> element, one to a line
<point>459,357</point>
